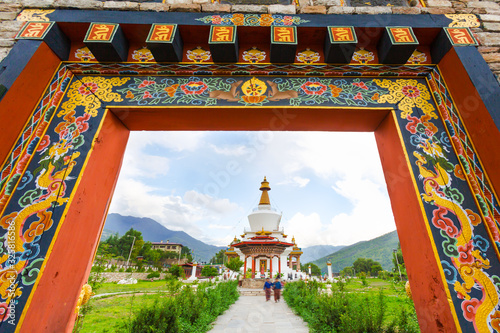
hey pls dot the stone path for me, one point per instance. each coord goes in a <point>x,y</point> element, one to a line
<point>254,314</point>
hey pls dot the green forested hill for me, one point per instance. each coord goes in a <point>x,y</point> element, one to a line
<point>378,249</point>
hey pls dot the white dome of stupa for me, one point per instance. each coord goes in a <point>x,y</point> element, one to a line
<point>264,217</point>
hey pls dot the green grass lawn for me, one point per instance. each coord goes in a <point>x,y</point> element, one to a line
<point>106,313</point>
<point>142,285</point>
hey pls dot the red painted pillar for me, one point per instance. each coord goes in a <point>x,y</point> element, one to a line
<point>245,268</point>
<point>253,267</point>
<point>279,265</point>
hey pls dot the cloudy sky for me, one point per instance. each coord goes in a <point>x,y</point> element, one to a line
<point>329,186</point>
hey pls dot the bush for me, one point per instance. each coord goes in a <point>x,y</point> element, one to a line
<point>345,312</point>
<point>187,312</point>
<point>153,275</point>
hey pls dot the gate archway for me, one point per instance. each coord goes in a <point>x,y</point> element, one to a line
<point>431,124</point>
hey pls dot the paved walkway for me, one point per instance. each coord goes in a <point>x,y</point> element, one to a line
<point>253,314</point>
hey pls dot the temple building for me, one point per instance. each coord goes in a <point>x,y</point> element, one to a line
<point>264,247</point>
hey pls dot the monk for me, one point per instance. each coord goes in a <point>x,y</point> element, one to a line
<point>267,289</point>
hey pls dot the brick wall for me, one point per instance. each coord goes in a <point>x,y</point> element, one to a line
<point>488,11</point>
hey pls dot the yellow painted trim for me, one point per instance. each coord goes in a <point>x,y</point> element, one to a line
<point>28,119</point>
<point>427,226</point>
<point>2,211</point>
<point>61,221</point>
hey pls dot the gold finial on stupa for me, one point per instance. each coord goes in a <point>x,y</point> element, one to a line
<point>293,239</point>
<point>264,187</point>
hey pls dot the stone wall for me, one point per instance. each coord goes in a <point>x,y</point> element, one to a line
<point>488,11</point>
<point>115,277</point>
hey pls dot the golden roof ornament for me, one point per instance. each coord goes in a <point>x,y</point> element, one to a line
<point>263,232</point>
<point>264,187</point>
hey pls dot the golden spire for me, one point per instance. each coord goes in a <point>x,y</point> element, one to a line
<point>293,239</point>
<point>264,187</point>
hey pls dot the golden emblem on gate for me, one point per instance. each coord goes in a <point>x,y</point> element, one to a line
<point>283,35</point>
<point>460,36</point>
<point>161,33</point>
<point>34,30</point>
<point>222,34</point>
<point>402,35</point>
<point>101,32</point>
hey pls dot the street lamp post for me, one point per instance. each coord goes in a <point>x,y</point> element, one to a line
<point>130,249</point>
<point>397,262</point>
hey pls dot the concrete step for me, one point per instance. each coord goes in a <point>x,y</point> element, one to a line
<point>255,292</point>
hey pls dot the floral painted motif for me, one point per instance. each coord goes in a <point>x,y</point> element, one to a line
<point>198,55</point>
<point>143,55</point>
<point>84,54</point>
<point>89,92</point>
<point>308,56</point>
<point>252,19</point>
<point>407,94</point>
<point>363,56</point>
<point>417,57</point>
<point>254,55</point>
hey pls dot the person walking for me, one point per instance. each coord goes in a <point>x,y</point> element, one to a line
<point>267,288</point>
<point>277,290</point>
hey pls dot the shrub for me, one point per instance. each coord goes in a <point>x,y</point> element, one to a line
<point>153,275</point>
<point>345,312</point>
<point>190,311</point>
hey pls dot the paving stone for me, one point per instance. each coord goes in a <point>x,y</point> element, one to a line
<point>313,10</point>
<point>373,10</point>
<point>438,3</point>
<point>82,4</point>
<point>489,38</point>
<point>327,3</point>
<point>215,8</point>
<point>249,9</point>
<point>483,4</point>
<point>282,9</point>
<point>154,7</point>
<point>121,5</point>
<point>491,26</point>
<point>185,7</point>
<point>406,10</point>
<point>341,10</point>
<point>489,18</point>
<point>438,11</point>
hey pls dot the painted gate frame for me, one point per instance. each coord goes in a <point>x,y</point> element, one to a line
<point>465,95</point>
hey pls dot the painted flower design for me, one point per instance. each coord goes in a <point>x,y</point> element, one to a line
<point>411,91</point>
<point>335,91</point>
<point>287,20</point>
<point>407,94</point>
<point>313,88</point>
<point>216,19</point>
<point>266,20</point>
<point>88,88</point>
<point>238,19</point>
<point>361,85</point>
<point>146,83</point>
<point>194,88</point>
<point>171,90</point>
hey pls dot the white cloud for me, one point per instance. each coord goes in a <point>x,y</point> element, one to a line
<point>174,212</point>
<point>295,181</point>
<point>230,150</point>
<point>220,226</point>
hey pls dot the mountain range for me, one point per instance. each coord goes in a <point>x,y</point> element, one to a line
<point>378,249</point>
<point>155,232</point>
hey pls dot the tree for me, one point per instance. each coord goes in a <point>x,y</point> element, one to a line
<point>218,258</point>
<point>347,271</point>
<point>365,265</point>
<point>375,269</point>
<point>235,264</point>
<point>315,270</point>
<point>177,271</point>
<point>186,253</point>
<point>209,271</point>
